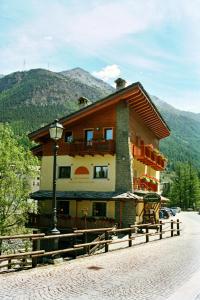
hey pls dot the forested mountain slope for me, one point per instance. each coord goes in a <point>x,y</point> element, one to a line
<point>36,97</point>
<point>33,98</point>
<point>183,143</point>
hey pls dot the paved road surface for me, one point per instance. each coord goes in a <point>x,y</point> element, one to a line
<point>167,269</point>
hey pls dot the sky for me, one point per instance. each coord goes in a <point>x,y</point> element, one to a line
<point>156,42</point>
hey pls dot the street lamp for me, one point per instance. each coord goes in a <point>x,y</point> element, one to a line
<point>55,131</point>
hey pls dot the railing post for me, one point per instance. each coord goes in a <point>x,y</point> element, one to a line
<point>160,230</point>
<point>172,228</point>
<point>35,247</point>
<point>147,234</point>
<point>178,227</point>
<point>106,238</point>
<point>130,236</point>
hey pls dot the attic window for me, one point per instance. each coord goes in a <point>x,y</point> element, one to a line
<point>68,136</point>
<point>108,134</point>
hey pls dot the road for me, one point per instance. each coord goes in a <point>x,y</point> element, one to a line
<point>166,269</point>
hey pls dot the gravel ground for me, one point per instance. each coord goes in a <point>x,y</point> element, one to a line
<point>157,270</point>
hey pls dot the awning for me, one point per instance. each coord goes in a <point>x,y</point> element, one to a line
<point>44,195</point>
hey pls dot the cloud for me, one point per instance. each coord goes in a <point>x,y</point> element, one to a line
<point>96,28</point>
<point>88,28</point>
<point>108,72</point>
<point>48,38</point>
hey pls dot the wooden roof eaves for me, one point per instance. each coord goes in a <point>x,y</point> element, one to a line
<point>109,100</point>
<point>102,103</point>
<point>154,107</point>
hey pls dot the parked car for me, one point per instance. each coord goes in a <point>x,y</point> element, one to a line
<point>171,211</point>
<point>176,208</point>
<point>164,213</point>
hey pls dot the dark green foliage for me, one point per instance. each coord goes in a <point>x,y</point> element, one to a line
<point>184,188</point>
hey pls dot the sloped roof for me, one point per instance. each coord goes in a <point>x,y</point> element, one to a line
<point>134,95</point>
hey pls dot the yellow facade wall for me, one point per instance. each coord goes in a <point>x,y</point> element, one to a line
<point>79,182</point>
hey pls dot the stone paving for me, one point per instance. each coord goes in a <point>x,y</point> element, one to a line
<point>148,271</point>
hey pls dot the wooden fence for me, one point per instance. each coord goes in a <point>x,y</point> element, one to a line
<point>133,232</point>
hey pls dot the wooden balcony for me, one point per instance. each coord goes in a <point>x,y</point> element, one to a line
<point>150,157</point>
<point>43,221</point>
<point>142,184</point>
<point>90,148</point>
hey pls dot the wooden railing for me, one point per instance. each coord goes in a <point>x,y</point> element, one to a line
<point>132,233</point>
<point>65,222</point>
<point>149,156</point>
<point>90,147</point>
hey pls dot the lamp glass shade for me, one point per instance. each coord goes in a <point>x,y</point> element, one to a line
<point>56,130</point>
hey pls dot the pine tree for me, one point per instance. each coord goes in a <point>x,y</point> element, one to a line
<point>185,189</point>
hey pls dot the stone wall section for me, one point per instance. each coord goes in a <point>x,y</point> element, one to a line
<point>124,170</point>
<point>124,167</point>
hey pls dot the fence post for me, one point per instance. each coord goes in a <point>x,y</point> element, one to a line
<point>35,247</point>
<point>85,241</point>
<point>147,234</point>
<point>172,228</point>
<point>9,264</point>
<point>106,238</point>
<point>160,230</point>
<point>178,227</point>
<point>74,243</point>
<point>130,236</point>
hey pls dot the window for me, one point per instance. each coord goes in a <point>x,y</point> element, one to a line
<point>64,172</point>
<point>89,135</point>
<point>101,172</point>
<point>99,209</point>
<point>108,134</point>
<point>63,207</point>
<point>68,137</point>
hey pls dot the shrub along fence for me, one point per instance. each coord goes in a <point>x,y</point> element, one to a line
<point>31,257</point>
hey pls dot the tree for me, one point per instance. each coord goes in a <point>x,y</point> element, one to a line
<point>185,189</point>
<point>17,167</point>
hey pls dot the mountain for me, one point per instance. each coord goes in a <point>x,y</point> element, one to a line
<point>183,143</point>
<point>34,98</point>
<point>80,75</point>
<point>1,75</point>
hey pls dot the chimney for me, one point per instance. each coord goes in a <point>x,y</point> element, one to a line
<point>120,83</point>
<point>83,102</point>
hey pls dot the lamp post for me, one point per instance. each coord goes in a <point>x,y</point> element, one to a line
<point>55,131</point>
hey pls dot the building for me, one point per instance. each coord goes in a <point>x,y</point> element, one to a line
<point>108,164</point>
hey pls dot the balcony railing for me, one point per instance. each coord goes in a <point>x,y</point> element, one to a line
<point>150,156</point>
<point>90,147</point>
<point>67,222</point>
<point>143,184</point>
